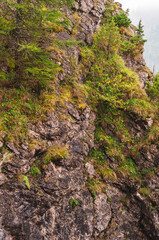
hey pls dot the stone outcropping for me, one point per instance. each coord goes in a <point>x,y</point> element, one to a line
<point>90,12</point>
<point>58,205</point>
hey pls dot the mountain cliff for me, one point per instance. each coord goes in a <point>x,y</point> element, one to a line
<point>79,158</point>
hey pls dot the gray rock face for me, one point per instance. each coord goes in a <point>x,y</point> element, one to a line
<point>46,211</point>
<point>139,66</point>
<point>102,212</point>
<point>3,179</point>
<point>90,12</point>
<point>1,144</point>
<point>90,170</point>
<point>59,205</point>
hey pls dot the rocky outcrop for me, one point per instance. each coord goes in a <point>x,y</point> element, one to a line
<point>139,65</point>
<point>90,13</point>
<point>57,204</point>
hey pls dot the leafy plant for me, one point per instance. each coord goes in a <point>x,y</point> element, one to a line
<point>109,199</point>
<point>24,27</point>
<point>25,179</point>
<point>74,202</point>
<point>34,171</point>
<point>122,20</point>
<point>153,89</point>
<point>95,186</point>
<point>153,208</point>
<point>107,39</point>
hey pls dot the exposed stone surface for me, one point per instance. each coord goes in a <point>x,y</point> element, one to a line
<point>90,12</point>
<point>3,179</point>
<point>102,212</point>
<point>58,205</point>
<point>1,144</point>
<point>139,66</point>
<point>90,170</point>
<point>45,211</point>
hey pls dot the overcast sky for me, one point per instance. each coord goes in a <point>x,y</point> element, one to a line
<point>146,10</point>
<point>139,3</point>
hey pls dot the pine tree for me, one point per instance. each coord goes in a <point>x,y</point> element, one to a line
<point>110,38</point>
<point>25,27</point>
<point>140,30</point>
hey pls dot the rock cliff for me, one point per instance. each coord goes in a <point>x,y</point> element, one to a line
<point>70,199</point>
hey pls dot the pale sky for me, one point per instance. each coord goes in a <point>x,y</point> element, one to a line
<point>139,3</point>
<point>146,10</point>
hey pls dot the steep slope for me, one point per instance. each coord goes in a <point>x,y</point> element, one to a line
<point>83,164</point>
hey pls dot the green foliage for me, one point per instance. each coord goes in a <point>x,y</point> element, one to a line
<point>56,153</point>
<point>153,89</point>
<point>34,171</point>
<point>94,185</point>
<point>140,30</point>
<point>109,81</point>
<point>128,167</point>
<point>109,10</point>
<point>25,179</point>
<point>132,47</point>
<point>18,107</point>
<point>153,208</point>
<point>98,155</point>
<point>109,199</point>
<point>108,39</point>
<point>115,94</point>
<point>145,191</point>
<point>122,20</point>
<point>148,171</point>
<point>74,202</point>
<point>24,27</point>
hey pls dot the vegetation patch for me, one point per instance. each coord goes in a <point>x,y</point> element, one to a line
<point>25,179</point>
<point>56,153</point>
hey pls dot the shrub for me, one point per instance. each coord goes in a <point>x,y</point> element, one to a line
<point>107,39</point>
<point>122,20</point>
<point>132,47</point>
<point>153,90</point>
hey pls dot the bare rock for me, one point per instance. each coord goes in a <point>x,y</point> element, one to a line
<point>1,144</point>
<point>102,212</point>
<point>90,170</point>
<point>12,147</point>
<point>72,111</point>
<point>149,121</point>
<point>3,179</point>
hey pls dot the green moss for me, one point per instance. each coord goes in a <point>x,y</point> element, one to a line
<point>145,191</point>
<point>34,171</point>
<point>129,168</point>
<point>56,153</point>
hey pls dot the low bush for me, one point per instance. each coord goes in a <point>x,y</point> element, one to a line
<point>122,20</point>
